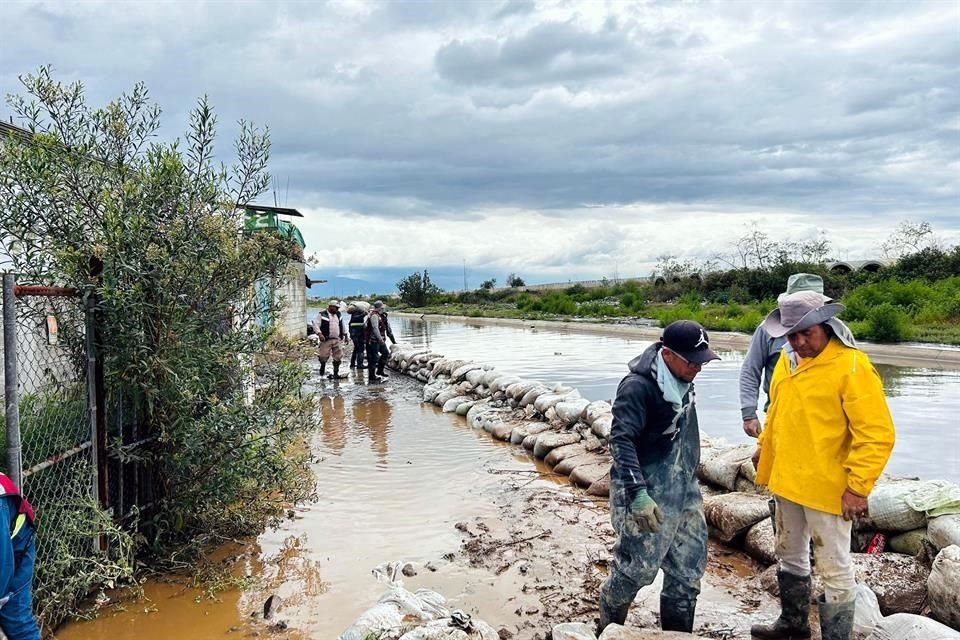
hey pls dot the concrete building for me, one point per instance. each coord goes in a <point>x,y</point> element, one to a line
<point>291,290</point>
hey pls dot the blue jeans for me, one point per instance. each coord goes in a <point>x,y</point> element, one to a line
<point>16,578</point>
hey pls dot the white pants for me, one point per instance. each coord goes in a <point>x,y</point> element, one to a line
<point>796,526</point>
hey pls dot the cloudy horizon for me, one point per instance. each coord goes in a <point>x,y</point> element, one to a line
<point>556,139</point>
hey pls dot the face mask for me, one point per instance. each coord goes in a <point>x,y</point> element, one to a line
<point>673,389</point>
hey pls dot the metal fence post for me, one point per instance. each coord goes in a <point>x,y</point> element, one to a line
<point>11,384</point>
<point>96,401</point>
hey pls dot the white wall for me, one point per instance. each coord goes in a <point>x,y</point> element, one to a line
<point>292,293</point>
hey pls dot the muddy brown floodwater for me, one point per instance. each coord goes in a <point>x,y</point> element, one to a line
<point>483,523</point>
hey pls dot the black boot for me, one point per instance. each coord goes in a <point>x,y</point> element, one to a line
<point>836,620</point>
<point>323,369</point>
<point>794,620</point>
<point>336,369</point>
<point>611,615</point>
<point>677,614</point>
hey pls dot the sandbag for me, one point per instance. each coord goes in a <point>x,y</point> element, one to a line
<point>520,433</point>
<point>444,629</point>
<point>501,383</point>
<point>442,397</point>
<point>568,465</point>
<point>732,514</point>
<point>600,488</point>
<point>550,441</point>
<point>899,581</point>
<point>461,372</point>
<point>531,396</point>
<point>586,474</point>
<point>943,587</point>
<point>596,409</point>
<point>451,405</point>
<point>723,468</point>
<point>569,411</point>
<point>944,531</point>
<point>397,608</point>
<point>890,509</point>
<point>547,400</point>
<point>502,431</point>
<point>557,455</point>
<point>616,632</point>
<point>909,543</point>
<point>936,498</point>
<point>489,376</point>
<point>761,543</point>
<point>475,376</point>
<point>464,407</point>
<point>866,612</point>
<point>601,426</point>
<point>476,411</point>
<point>573,631</point>
<point>906,626</point>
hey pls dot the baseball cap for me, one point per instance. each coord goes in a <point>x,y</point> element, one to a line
<point>689,340</point>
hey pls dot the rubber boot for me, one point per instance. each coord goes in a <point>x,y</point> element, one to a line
<point>380,367</point>
<point>323,369</point>
<point>677,614</point>
<point>794,620</point>
<point>836,620</point>
<point>611,615</point>
<point>336,370</point>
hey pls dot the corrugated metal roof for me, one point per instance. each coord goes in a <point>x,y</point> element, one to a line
<point>7,129</point>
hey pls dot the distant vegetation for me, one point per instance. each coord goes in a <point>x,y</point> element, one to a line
<point>915,298</point>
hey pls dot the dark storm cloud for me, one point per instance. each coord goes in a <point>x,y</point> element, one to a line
<point>446,111</point>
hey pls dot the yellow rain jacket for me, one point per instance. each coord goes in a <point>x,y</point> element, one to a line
<point>828,429</point>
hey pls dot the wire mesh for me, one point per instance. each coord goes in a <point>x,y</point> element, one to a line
<point>54,425</point>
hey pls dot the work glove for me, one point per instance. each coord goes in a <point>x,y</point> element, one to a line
<point>645,512</point>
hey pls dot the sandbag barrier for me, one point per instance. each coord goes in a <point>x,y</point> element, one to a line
<point>920,519</point>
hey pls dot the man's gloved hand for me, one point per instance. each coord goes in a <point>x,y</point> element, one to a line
<point>645,512</point>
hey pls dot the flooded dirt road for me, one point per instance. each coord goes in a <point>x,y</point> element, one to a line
<point>401,481</point>
<point>924,402</point>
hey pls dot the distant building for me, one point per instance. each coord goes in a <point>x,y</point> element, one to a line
<point>291,290</point>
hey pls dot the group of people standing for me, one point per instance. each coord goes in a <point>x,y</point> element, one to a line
<point>827,438</point>
<point>368,328</point>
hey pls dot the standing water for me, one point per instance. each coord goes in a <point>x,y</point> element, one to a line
<point>396,475</point>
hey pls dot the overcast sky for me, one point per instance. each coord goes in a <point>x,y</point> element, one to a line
<point>553,138</point>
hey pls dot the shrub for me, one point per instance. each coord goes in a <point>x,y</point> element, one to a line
<point>887,323</point>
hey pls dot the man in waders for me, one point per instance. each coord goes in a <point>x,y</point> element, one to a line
<point>357,318</point>
<point>333,335</point>
<point>656,508</point>
<point>17,555</point>
<point>827,439</point>
<point>375,336</point>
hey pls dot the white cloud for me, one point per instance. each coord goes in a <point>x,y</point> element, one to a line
<point>569,137</point>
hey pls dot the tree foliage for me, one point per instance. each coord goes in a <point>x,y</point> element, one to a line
<point>514,281</point>
<point>416,289</point>
<point>154,229</point>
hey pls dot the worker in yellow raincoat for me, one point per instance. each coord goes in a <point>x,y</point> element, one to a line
<point>827,439</point>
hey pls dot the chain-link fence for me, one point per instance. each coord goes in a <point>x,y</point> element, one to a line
<point>45,369</point>
<point>55,435</point>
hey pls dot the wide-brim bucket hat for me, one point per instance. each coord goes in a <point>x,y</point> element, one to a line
<point>799,311</point>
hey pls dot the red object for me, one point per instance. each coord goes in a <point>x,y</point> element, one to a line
<point>877,544</point>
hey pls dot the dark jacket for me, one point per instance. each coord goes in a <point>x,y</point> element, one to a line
<point>324,325</point>
<point>648,451</point>
<point>357,319</point>
<point>388,332</point>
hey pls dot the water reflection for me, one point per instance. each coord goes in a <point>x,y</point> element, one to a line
<point>333,431</point>
<point>372,417</point>
<point>924,402</point>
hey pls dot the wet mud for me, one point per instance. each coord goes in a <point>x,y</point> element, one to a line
<point>481,521</point>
